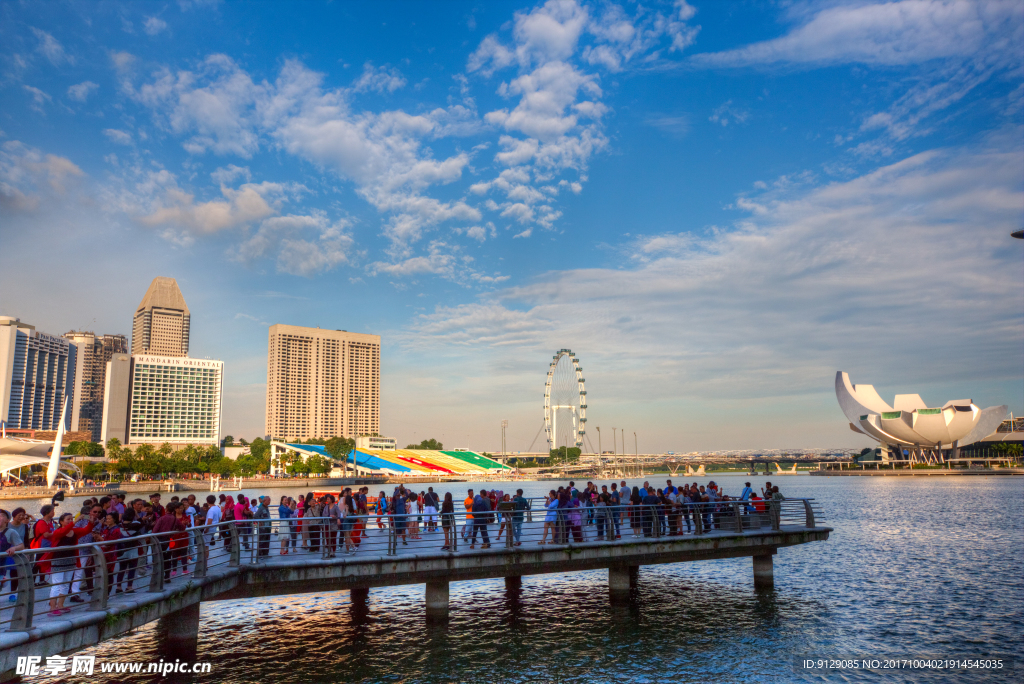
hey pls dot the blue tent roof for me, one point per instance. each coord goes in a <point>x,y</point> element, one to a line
<point>357,457</point>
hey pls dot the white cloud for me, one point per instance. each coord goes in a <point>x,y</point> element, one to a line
<point>955,46</point>
<point>27,176</point>
<point>118,136</point>
<point>81,91</point>
<point>241,206</point>
<point>51,48</point>
<point>303,245</point>
<point>894,273</point>
<point>727,112</point>
<point>231,173</point>
<point>39,98</point>
<point>381,79</point>
<point>154,25</point>
<point>891,33</point>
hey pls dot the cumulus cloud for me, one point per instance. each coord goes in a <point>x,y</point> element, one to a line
<point>381,79</point>
<point>50,48</point>
<point>560,49</point>
<point>80,92</point>
<point>27,175</point>
<point>239,206</point>
<point>154,25</point>
<point>303,245</point>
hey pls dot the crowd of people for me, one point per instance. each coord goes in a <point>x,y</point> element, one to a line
<point>328,525</point>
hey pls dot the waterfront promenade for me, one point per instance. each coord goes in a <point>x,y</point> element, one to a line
<point>217,574</point>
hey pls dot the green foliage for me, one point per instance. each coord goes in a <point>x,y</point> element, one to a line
<point>339,447</point>
<point>87,449</point>
<point>228,441</point>
<point>1007,449</point>
<point>565,454</point>
<point>427,444</point>
<point>93,471</point>
<point>256,461</point>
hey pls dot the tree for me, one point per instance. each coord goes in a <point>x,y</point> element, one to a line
<point>427,444</point>
<point>339,448</point>
<point>228,441</point>
<point>93,471</point>
<point>566,454</point>
<point>243,442</point>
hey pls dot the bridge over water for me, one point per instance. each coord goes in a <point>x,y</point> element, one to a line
<point>251,565</point>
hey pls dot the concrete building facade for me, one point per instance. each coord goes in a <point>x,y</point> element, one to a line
<point>116,399</point>
<point>162,321</point>
<point>322,383</point>
<point>94,351</point>
<point>37,371</point>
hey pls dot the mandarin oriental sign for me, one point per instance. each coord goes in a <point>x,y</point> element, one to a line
<point>178,361</point>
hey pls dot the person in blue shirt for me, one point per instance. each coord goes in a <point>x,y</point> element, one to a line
<point>284,531</point>
<point>520,504</point>
<point>481,518</point>
<point>669,489</point>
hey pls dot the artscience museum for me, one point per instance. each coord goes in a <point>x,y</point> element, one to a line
<point>911,425</point>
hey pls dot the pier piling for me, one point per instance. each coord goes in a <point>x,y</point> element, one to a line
<point>764,577</point>
<point>437,600</point>
<point>622,580</point>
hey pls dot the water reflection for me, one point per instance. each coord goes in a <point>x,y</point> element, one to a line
<point>914,567</point>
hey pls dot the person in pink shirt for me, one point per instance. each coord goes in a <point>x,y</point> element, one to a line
<point>240,510</point>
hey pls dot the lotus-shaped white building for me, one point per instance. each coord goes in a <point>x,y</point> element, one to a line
<point>909,422</point>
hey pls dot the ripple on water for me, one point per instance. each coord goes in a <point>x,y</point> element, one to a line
<point>915,567</point>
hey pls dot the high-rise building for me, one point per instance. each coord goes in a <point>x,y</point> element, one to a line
<point>174,400</point>
<point>162,321</point>
<point>90,381</point>
<point>116,399</point>
<point>37,371</point>
<point>322,383</point>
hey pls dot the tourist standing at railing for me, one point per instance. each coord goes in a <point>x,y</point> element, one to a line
<point>398,504</point>
<point>575,516</point>
<point>241,514</point>
<point>648,509</point>
<point>348,521</point>
<point>635,511</point>
<point>164,525</point>
<point>112,551</point>
<point>601,514</point>
<point>83,573</point>
<point>313,522</point>
<point>130,528</point>
<point>467,528</point>
<point>505,508</point>
<point>212,519</point>
<point>481,518</point>
<point>263,525</point>
<point>430,506</point>
<point>520,504</point>
<point>293,523</point>
<point>381,508</point>
<point>776,506</point>
<point>284,530</point>
<point>62,559</point>
<point>550,516</point>
<point>615,502</point>
<point>448,521</point>
<point>10,542</point>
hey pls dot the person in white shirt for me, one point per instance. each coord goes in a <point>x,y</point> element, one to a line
<point>213,516</point>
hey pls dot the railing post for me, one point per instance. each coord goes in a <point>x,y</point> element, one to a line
<point>199,541</point>
<point>100,579</point>
<point>236,545</point>
<point>809,513</point>
<point>656,520</point>
<point>156,579</point>
<point>736,512</point>
<point>508,530</point>
<point>455,534</point>
<point>698,520</point>
<point>392,537</point>
<point>26,602</point>
<point>609,520</point>
<point>775,508</point>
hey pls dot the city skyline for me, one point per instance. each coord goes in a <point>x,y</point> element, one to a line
<point>716,207</point>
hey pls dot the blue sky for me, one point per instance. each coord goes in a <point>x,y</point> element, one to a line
<point>717,205</point>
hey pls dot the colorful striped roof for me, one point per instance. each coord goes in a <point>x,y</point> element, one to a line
<point>476,459</point>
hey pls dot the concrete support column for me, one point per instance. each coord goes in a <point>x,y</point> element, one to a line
<point>437,600</point>
<point>622,580</point>
<point>514,582</point>
<point>179,632</point>
<point>764,577</point>
<point>359,594</point>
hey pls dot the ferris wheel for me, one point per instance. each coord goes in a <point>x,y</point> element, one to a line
<point>565,401</point>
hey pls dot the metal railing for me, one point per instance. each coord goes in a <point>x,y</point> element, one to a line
<point>94,572</point>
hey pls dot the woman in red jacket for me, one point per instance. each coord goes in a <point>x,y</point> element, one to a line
<point>62,560</point>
